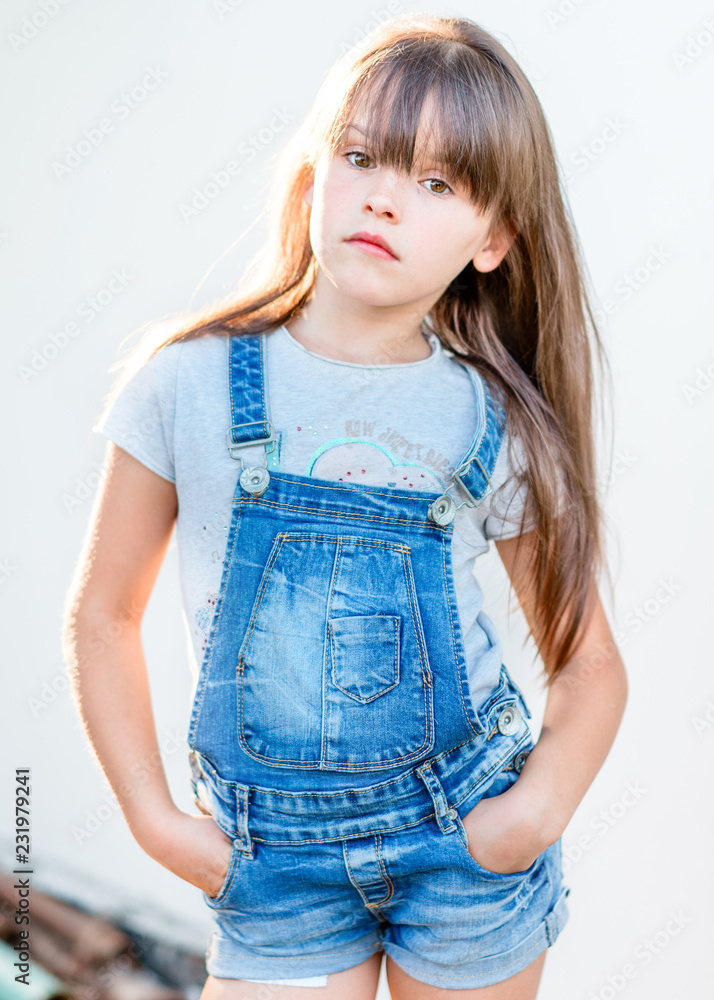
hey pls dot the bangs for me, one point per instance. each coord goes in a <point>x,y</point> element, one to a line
<point>432,104</point>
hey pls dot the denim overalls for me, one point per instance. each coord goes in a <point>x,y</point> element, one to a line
<point>333,700</point>
<point>334,689</point>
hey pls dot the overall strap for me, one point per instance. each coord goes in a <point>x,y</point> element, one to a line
<point>476,468</point>
<point>250,413</point>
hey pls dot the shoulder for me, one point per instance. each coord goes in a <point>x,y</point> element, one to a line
<point>151,377</point>
<point>180,363</point>
<point>148,368</point>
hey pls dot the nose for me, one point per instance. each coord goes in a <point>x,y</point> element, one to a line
<point>383,196</point>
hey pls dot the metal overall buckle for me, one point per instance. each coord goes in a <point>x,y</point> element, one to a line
<point>255,478</point>
<point>443,510</point>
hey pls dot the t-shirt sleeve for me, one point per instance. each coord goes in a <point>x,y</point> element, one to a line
<point>505,505</point>
<point>140,419</point>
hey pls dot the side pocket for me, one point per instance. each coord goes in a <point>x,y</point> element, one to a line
<point>233,863</point>
<point>502,877</point>
<point>504,779</point>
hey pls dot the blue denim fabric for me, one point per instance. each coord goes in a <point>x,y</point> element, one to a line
<point>333,739</point>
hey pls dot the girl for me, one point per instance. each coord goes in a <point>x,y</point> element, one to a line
<point>405,376</point>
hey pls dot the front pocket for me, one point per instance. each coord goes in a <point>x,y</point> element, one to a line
<point>225,888</point>
<point>486,872</point>
<point>333,671</point>
<point>365,654</point>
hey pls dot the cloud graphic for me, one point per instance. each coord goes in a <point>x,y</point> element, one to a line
<point>365,462</point>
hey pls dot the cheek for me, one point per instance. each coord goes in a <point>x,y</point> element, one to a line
<point>330,201</point>
<point>334,216</point>
<point>328,221</point>
<point>445,245</point>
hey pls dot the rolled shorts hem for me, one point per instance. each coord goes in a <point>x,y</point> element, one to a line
<point>224,965</point>
<point>494,968</point>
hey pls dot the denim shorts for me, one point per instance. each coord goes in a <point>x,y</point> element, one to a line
<point>295,910</point>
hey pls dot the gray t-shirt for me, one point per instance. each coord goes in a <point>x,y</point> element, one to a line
<point>391,424</point>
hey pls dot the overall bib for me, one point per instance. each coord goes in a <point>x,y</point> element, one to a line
<point>332,702</point>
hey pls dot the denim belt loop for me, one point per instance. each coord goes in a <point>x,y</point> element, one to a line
<point>242,831</point>
<point>444,815</point>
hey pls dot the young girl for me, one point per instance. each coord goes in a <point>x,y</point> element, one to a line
<point>406,376</point>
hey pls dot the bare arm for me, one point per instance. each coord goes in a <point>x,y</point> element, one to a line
<point>584,707</point>
<point>125,544</point>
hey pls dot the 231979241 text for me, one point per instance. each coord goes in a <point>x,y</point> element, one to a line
<point>22,883</point>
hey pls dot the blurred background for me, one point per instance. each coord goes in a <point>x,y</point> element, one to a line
<point>105,228</point>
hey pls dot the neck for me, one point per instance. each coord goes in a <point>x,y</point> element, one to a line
<point>348,330</point>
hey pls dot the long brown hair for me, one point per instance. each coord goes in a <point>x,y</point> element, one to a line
<point>526,326</point>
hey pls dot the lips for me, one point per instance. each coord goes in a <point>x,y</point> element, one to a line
<point>374,239</point>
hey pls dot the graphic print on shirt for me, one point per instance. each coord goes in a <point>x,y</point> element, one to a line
<point>203,616</point>
<point>378,458</point>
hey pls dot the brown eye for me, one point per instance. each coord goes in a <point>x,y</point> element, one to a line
<point>358,153</point>
<point>437,180</point>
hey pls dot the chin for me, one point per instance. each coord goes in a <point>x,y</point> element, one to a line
<point>370,289</point>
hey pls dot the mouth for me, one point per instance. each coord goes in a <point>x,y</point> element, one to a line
<point>373,244</point>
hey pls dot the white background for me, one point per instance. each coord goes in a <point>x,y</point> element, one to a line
<point>648,188</point>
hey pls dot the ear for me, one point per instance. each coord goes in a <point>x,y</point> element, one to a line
<point>309,190</point>
<point>497,245</point>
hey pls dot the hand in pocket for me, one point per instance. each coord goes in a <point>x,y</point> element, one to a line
<point>192,847</point>
<point>502,838</point>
